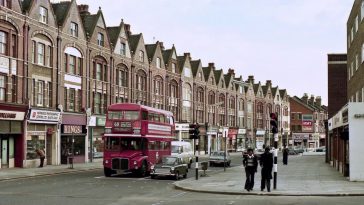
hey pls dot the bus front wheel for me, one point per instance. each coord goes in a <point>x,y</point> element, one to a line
<point>108,172</point>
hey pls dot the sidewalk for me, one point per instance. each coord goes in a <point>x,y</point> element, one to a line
<point>17,173</point>
<point>303,176</point>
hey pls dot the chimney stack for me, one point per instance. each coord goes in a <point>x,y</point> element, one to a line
<point>268,83</point>
<point>318,101</point>
<point>161,45</point>
<point>231,71</point>
<point>312,100</point>
<point>251,79</point>
<point>211,65</point>
<point>305,98</point>
<point>83,10</point>
<point>188,55</point>
<point>127,29</point>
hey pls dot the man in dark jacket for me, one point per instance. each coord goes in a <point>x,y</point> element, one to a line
<point>250,163</point>
<point>266,162</point>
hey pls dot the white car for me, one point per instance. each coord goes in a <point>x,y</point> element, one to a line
<point>184,151</point>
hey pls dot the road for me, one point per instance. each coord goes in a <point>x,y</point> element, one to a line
<point>92,188</point>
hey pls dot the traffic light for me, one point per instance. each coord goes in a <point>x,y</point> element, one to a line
<point>194,131</point>
<point>274,123</point>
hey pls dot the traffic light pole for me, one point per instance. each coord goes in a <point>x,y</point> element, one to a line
<point>275,165</point>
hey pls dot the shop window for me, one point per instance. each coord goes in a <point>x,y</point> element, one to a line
<point>34,142</point>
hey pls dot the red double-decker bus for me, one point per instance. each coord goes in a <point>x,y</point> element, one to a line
<point>136,137</point>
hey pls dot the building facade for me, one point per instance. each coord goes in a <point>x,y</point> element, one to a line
<point>61,66</point>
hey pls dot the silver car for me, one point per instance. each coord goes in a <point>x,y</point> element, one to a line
<point>170,166</point>
<point>217,158</point>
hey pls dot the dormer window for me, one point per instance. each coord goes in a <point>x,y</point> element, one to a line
<point>74,29</point>
<point>122,49</point>
<point>173,68</point>
<point>158,62</point>
<point>100,39</point>
<point>141,56</point>
<point>43,15</point>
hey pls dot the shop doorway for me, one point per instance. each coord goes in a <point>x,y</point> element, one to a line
<point>4,153</point>
<point>48,151</point>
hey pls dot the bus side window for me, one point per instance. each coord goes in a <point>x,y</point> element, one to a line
<point>144,115</point>
<point>161,118</point>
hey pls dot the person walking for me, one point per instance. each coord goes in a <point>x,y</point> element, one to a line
<point>250,163</point>
<point>285,155</point>
<point>266,162</point>
<point>40,153</point>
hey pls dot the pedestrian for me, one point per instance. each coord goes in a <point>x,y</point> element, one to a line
<point>40,153</point>
<point>266,162</point>
<point>250,163</point>
<point>285,155</point>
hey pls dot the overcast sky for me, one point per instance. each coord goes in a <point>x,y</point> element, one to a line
<point>286,41</point>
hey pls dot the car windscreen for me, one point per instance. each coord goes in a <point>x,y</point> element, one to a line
<point>175,148</point>
<point>169,160</point>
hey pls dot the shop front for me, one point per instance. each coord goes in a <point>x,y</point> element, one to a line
<point>232,137</point>
<point>212,138</point>
<point>73,138</point>
<point>259,139</point>
<point>96,130</point>
<point>182,130</point>
<point>300,139</point>
<point>42,133</point>
<point>11,138</point>
<point>241,140</point>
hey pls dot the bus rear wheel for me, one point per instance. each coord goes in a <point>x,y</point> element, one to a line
<point>108,172</point>
<point>143,171</point>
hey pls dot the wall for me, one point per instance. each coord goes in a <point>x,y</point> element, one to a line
<point>356,142</point>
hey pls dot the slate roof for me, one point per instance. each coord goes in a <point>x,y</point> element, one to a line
<point>195,65</point>
<point>282,92</point>
<point>206,73</point>
<point>26,4</point>
<point>167,54</point>
<point>134,41</point>
<point>217,74</point>
<point>256,88</point>
<point>265,89</point>
<point>61,11</point>
<point>181,61</point>
<point>114,33</point>
<point>274,91</point>
<point>89,22</point>
<point>227,78</point>
<point>151,48</point>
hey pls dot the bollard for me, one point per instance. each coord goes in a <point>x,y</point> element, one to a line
<point>196,167</point>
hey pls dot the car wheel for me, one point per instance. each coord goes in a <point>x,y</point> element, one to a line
<point>211,164</point>
<point>185,175</point>
<point>177,176</point>
<point>152,176</point>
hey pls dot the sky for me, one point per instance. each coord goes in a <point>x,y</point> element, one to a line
<point>286,41</point>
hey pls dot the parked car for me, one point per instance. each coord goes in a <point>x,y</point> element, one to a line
<point>170,166</point>
<point>299,150</point>
<point>291,151</point>
<point>321,149</point>
<point>217,158</point>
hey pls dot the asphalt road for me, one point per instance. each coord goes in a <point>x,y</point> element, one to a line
<point>92,188</point>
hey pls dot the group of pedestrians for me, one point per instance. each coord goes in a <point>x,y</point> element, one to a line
<point>250,163</point>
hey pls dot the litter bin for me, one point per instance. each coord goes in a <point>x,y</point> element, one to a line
<point>70,162</point>
<point>204,166</point>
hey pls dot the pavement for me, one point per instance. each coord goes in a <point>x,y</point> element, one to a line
<point>305,175</point>
<point>47,170</point>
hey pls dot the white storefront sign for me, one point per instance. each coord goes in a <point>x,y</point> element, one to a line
<point>44,115</point>
<point>11,115</point>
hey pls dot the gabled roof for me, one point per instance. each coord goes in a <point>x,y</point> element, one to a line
<point>194,66</point>
<point>282,92</point>
<point>297,99</point>
<point>114,33</point>
<point>167,54</point>
<point>265,89</point>
<point>151,48</point>
<point>227,78</point>
<point>256,88</point>
<point>274,91</point>
<point>217,74</point>
<point>181,61</point>
<point>89,22</point>
<point>134,41</point>
<point>206,72</point>
<point>61,10</point>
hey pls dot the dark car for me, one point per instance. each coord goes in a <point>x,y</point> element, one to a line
<point>170,166</point>
<point>218,158</point>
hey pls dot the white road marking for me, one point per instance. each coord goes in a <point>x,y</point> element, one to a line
<point>177,195</point>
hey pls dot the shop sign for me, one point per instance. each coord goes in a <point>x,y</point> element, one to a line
<point>100,121</point>
<point>72,129</point>
<point>306,117</point>
<point>182,127</point>
<point>92,121</point>
<point>45,115</point>
<point>11,115</point>
<point>241,131</point>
